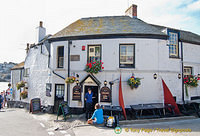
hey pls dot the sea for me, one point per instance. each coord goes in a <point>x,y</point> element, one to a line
<point>3,86</point>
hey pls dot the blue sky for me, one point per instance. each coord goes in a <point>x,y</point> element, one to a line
<point>19,18</point>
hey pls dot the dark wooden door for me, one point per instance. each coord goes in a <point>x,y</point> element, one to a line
<point>95,97</point>
<point>59,96</point>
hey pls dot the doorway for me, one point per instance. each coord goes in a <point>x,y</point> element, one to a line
<point>59,96</point>
<point>95,97</point>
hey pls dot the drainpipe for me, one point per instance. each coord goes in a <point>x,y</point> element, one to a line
<point>68,74</point>
<point>182,75</point>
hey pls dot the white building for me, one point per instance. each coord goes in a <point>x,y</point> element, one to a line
<point>126,45</point>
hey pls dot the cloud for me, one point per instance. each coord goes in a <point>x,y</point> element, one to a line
<point>194,6</point>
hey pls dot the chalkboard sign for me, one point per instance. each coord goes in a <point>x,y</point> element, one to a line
<point>63,109</point>
<point>35,105</point>
<point>76,93</point>
<point>105,93</point>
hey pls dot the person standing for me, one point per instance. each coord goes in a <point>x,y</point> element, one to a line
<point>1,100</point>
<point>5,98</point>
<point>88,99</point>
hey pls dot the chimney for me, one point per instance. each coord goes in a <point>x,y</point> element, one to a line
<point>27,48</point>
<point>40,32</point>
<point>131,11</point>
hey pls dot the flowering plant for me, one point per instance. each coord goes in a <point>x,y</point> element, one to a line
<point>134,82</point>
<point>191,81</point>
<point>70,79</point>
<point>20,84</point>
<point>94,67</point>
<point>24,94</point>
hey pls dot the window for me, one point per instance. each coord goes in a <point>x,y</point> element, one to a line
<point>187,71</point>
<point>94,53</point>
<point>26,72</point>
<point>60,88</point>
<point>173,44</point>
<point>60,60</point>
<point>127,56</point>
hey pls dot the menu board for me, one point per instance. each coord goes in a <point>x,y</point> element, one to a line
<point>63,109</point>
<point>76,95</point>
<point>35,105</point>
<point>105,93</point>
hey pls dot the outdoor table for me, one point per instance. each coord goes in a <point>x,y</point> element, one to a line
<point>112,109</point>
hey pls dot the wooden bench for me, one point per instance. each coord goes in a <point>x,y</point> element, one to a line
<point>152,110</point>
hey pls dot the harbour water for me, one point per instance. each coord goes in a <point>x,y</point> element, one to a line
<point>3,86</point>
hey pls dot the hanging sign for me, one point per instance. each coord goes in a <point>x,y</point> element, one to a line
<point>105,93</point>
<point>76,94</point>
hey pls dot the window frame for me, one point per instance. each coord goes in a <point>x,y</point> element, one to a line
<point>88,60</point>
<point>128,44</point>
<point>187,67</point>
<point>177,55</point>
<point>63,90</point>
<point>26,72</point>
<point>60,57</point>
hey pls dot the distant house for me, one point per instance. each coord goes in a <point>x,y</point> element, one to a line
<point>127,46</point>
<point>16,77</point>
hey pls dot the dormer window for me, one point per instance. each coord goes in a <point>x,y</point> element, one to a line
<point>173,44</point>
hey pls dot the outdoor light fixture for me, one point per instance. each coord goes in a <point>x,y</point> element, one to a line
<point>198,75</point>
<point>77,76</point>
<point>9,85</point>
<point>179,76</point>
<point>155,76</point>
<point>105,82</point>
<point>77,82</point>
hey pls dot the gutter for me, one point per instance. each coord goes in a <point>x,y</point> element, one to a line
<point>182,75</point>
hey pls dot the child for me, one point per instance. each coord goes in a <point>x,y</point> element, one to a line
<point>97,117</point>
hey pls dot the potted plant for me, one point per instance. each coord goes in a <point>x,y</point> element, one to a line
<point>191,81</point>
<point>24,94</point>
<point>70,79</point>
<point>134,82</point>
<point>20,84</point>
<point>94,67</point>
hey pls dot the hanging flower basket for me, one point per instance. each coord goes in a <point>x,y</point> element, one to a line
<point>20,84</point>
<point>134,82</point>
<point>24,94</point>
<point>94,67</point>
<point>70,79</point>
<point>191,81</point>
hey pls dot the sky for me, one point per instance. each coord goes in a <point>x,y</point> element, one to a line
<point>19,18</point>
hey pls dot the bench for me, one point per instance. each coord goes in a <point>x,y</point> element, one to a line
<point>112,109</point>
<point>152,110</point>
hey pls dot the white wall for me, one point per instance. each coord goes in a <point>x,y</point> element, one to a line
<point>192,59</point>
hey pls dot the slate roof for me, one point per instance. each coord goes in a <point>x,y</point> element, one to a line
<point>18,66</point>
<point>185,36</point>
<point>108,25</point>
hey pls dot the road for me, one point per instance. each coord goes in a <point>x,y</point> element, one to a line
<point>17,122</point>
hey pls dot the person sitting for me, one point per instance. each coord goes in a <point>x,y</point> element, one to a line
<point>97,117</point>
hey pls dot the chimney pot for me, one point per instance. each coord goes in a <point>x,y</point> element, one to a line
<point>132,11</point>
<point>41,24</point>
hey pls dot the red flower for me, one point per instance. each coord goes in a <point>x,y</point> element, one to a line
<point>102,67</point>
<point>90,65</point>
<point>94,62</point>
<point>102,62</point>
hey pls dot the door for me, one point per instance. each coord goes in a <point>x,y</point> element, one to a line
<point>59,96</point>
<point>95,95</point>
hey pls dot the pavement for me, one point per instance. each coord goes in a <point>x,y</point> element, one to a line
<point>19,122</point>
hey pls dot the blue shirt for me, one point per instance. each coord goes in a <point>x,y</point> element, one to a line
<point>98,114</point>
<point>1,99</point>
<point>89,97</point>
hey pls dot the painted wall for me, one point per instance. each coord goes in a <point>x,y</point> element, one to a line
<point>192,59</point>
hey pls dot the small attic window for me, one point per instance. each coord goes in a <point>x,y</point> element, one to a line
<point>60,57</point>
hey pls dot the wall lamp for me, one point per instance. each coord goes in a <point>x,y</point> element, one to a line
<point>155,76</point>
<point>179,76</point>
<point>105,82</point>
